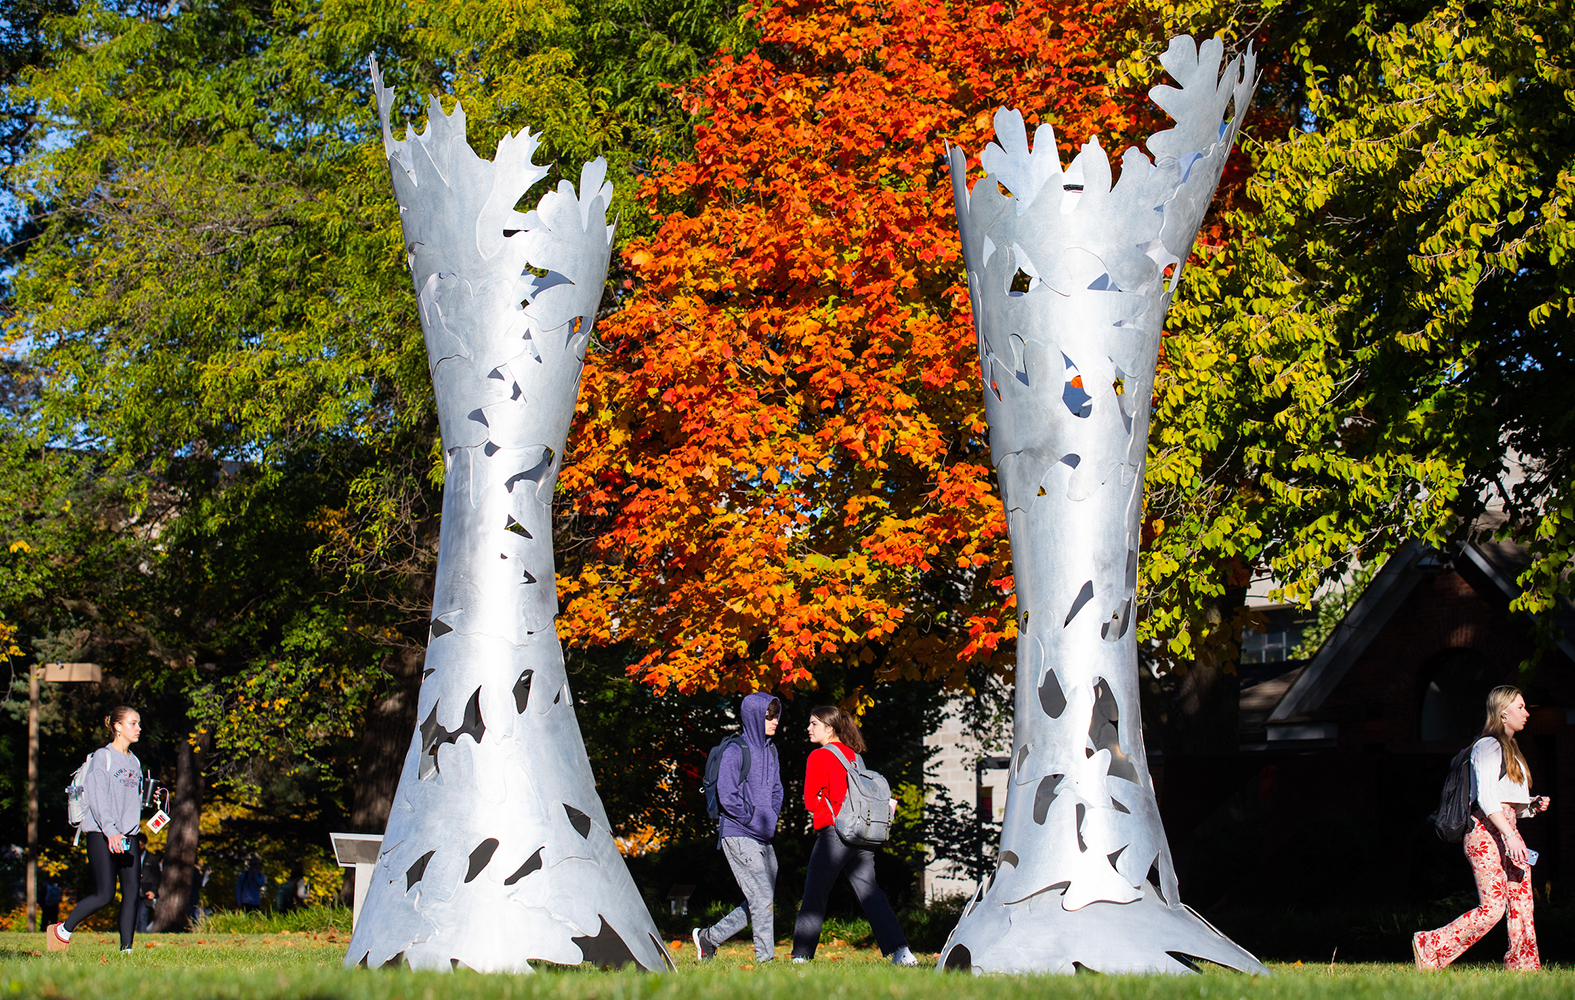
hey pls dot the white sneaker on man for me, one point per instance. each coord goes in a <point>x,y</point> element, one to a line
<point>704,949</point>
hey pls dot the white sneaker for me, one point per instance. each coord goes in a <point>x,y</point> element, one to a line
<point>902,956</point>
<point>798,960</point>
<point>704,949</point>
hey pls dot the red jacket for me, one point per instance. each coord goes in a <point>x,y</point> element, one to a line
<point>826,783</point>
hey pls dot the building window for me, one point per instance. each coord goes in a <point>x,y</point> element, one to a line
<point>1454,702</point>
<point>1266,647</point>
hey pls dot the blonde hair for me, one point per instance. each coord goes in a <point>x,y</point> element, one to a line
<point>1515,765</point>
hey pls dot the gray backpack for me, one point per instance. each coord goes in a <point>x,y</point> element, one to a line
<point>865,817</point>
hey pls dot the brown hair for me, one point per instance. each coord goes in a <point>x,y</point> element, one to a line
<point>1498,700</point>
<point>843,725</point>
<point>774,709</point>
<point>116,716</point>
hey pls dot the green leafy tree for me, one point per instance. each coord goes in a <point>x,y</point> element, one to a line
<point>1374,338</point>
<point>207,283</point>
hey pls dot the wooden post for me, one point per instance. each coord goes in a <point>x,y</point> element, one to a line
<point>32,798</point>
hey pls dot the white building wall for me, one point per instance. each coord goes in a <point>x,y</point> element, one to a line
<point>954,753</point>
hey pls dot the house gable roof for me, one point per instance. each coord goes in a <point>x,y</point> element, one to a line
<point>1388,590</point>
<point>1394,582</point>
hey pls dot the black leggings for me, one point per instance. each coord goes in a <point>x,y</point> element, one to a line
<point>829,858</point>
<point>103,865</point>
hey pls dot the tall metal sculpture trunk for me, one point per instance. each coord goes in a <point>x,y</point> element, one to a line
<point>1084,876</point>
<point>498,850</point>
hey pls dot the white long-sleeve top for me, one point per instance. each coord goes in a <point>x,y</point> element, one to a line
<point>1495,789</point>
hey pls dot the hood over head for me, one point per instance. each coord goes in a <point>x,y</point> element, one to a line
<point>753,715</point>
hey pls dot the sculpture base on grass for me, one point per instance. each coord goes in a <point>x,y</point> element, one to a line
<point>1039,935</point>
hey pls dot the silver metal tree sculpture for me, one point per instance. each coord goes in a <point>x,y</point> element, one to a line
<point>1084,876</point>
<point>498,850</point>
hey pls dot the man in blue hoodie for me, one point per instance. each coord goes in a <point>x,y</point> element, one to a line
<point>750,806</point>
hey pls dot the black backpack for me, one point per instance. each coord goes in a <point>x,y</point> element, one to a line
<point>713,769</point>
<point>1454,804</point>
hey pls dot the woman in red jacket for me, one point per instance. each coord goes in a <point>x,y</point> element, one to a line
<point>825,786</point>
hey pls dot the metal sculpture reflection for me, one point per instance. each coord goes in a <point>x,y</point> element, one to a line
<point>1084,876</point>
<point>498,850</point>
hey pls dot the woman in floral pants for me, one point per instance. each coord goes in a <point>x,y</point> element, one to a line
<point>1498,856</point>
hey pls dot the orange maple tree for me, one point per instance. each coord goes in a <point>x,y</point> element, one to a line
<point>781,443</point>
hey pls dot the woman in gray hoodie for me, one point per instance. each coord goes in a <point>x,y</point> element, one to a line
<point>112,793</point>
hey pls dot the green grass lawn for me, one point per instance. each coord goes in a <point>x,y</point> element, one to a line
<point>307,965</point>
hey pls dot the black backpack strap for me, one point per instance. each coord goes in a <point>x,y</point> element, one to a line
<point>743,774</point>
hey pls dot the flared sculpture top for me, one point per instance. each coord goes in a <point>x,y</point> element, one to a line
<point>475,260</point>
<point>1068,232</point>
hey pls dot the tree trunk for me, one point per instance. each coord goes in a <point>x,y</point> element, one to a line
<point>1084,877</point>
<point>1208,698</point>
<point>385,737</point>
<point>173,912</point>
<point>498,850</point>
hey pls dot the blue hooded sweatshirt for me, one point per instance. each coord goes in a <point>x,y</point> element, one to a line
<point>751,803</point>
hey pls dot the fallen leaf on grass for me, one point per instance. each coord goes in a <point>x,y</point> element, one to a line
<point>36,954</point>
<point>747,965</point>
<point>675,946</point>
<point>151,944</point>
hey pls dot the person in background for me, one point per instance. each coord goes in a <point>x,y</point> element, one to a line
<point>152,866</point>
<point>249,886</point>
<point>199,878</point>
<point>750,805</point>
<point>49,905</point>
<point>833,731</point>
<point>112,795</point>
<point>1499,858</point>
<point>294,892</point>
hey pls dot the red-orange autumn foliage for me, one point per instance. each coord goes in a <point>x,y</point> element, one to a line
<point>783,435</point>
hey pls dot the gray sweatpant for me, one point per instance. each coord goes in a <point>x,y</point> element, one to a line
<point>755,869</point>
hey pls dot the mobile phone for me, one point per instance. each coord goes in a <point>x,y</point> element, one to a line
<point>1531,856</point>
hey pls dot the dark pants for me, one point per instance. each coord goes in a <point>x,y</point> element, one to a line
<point>830,858</point>
<point>104,866</point>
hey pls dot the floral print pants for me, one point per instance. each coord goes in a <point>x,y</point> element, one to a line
<point>1503,889</point>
